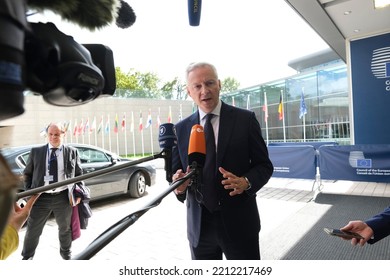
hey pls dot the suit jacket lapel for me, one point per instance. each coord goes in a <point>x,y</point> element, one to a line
<point>226,128</point>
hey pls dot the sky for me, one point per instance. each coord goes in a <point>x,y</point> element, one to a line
<point>251,41</point>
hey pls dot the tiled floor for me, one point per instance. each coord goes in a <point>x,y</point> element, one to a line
<point>304,190</point>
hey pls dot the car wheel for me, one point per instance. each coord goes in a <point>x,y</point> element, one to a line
<point>137,185</point>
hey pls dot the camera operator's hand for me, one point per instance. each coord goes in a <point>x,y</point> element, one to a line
<point>19,215</point>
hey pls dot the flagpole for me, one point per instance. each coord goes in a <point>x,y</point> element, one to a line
<point>266,116</point>
<point>151,137</point>
<point>284,124</point>
<point>71,131</point>
<point>89,134</point>
<point>142,143</point>
<point>302,112</point>
<point>304,119</point>
<point>124,129</point>
<point>95,132</point>
<point>117,143</point>
<point>75,130</point>
<point>102,130</point>
<point>132,131</point>
<point>82,130</point>
<point>109,133</point>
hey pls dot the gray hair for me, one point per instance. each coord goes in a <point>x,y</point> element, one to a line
<point>196,65</point>
<point>60,125</point>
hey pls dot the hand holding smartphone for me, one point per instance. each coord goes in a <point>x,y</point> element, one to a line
<point>343,234</point>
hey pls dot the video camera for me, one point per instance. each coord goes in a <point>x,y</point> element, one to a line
<point>39,57</point>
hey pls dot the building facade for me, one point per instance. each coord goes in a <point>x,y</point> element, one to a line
<point>310,106</point>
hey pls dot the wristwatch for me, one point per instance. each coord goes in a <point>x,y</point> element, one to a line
<point>248,182</point>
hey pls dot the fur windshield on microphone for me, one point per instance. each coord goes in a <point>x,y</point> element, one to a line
<point>91,14</point>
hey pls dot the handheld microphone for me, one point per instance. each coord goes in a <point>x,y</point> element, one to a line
<point>197,147</point>
<point>194,11</point>
<point>167,140</point>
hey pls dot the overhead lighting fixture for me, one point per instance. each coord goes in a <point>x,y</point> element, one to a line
<point>378,4</point>
<point>347,13</point>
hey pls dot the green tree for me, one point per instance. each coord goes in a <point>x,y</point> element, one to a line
<point>229,84</point>
<point>126,83</point>
<point>149,84</point>
<point>136,84</point>
<point>174,89</point>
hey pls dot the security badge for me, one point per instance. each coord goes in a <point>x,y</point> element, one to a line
<point>48,178</point>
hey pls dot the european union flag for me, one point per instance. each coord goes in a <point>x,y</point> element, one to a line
<point>302,108</point>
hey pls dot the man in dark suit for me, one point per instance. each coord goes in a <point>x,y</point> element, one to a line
<point>222,213</point>
<point>373,230</point>
<point>47,164</point>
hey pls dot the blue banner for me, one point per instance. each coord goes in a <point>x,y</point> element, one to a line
<point>369,163</point>
<point>293,161</point>
<point>370,73</point>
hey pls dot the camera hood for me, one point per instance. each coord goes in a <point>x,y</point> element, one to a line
<point>60,69</point>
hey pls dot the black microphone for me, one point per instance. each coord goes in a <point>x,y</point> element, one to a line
<point>194,10</point>
<point>126,16</point>
<point>167,140</point>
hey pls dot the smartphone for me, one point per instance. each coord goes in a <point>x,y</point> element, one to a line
<point>343,234</point>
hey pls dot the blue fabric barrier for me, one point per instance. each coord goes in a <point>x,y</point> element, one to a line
<point>293,161</point>
<point>369,163</point>
<point>316,145</point>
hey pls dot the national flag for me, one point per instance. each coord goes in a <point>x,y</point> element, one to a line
<point>180,113</point>
<point>123,124</point>
<point>158,118</point>
<point>81,127</point>
<point>75,129</point>
<point>86,126</point>
<point>132,122</point>
<point>100,127</point>
<point>140,121</point>
<point>116,124</point>
<point>43,131</point>
<point>149,120</point>
<point>67,126</point>
<point>265,107</point>
<point>302,107</point>
<point>93,126</point>
<point>280,108</point>
<point>170,115</point>
<point>107,128</point>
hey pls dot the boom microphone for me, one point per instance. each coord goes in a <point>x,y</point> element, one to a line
<point>126,16</point>
<point>197,147</point>
<point>194,11</point>
<point>91,14</point>
<point>167,140</point>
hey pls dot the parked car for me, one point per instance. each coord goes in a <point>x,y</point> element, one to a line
<point>131,181</point>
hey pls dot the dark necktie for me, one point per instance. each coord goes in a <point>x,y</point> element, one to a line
<point>209,191</point>
<point>53,165</point>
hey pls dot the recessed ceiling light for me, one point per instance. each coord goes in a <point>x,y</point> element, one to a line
<point>381,3</point>
<point>356,30</point>
<point>347,13</point>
